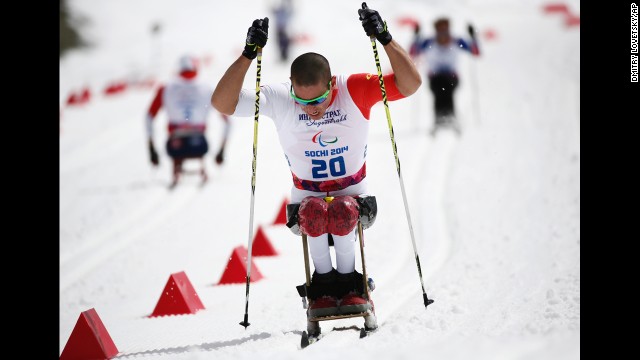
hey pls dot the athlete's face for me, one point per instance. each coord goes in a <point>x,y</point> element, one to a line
<point>442,34</point>
<point>314,110</point>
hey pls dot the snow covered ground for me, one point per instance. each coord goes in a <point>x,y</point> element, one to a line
<point>495,213</point>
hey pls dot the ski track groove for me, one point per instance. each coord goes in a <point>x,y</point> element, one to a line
<point>106,244</point>
<point>102,144</point>
<point>435,170</point>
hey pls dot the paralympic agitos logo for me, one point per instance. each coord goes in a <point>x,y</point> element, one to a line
<point>317,139</point>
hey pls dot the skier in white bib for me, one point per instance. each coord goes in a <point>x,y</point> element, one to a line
<point>186,101</point>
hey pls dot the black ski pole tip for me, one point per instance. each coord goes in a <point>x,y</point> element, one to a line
<point>245,324</point>
<point>427,301</point>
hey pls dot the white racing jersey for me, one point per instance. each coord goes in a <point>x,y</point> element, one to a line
<point>187,103</point>
<point>328,154</point>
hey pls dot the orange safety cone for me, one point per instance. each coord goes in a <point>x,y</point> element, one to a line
<point>555,8</point>
<point>89,339</point>
<point>73,99</point>
<point>281,218</point>
<point>85,96</point>
<point>236,270</point>
<point>115,88</point>
<point>178,297</point>
<point>572,20</point>
<point>261,244</point>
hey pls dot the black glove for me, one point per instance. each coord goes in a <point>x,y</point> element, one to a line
<point>153,154</point>
<point>220,157</point>
<point>472,31</point>
<point>256,37</point>
<point>374,25</point>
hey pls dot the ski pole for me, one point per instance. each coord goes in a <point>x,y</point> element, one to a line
<point>245,322</point>
<point>474,80</point>
<point>474,85</point>
<point>427,301</point>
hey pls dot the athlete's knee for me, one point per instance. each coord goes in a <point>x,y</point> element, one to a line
<point>312,216</point>
<point>368,210</point>
<point>343,215</point>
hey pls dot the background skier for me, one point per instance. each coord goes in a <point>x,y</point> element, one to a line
<point>186,101</point>
<point>441,52</point>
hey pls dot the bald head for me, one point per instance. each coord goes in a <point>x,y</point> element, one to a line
<point>310,69</point>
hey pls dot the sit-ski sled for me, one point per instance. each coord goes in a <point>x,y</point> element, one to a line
<point>368,211</point>
<point>178,170</point>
